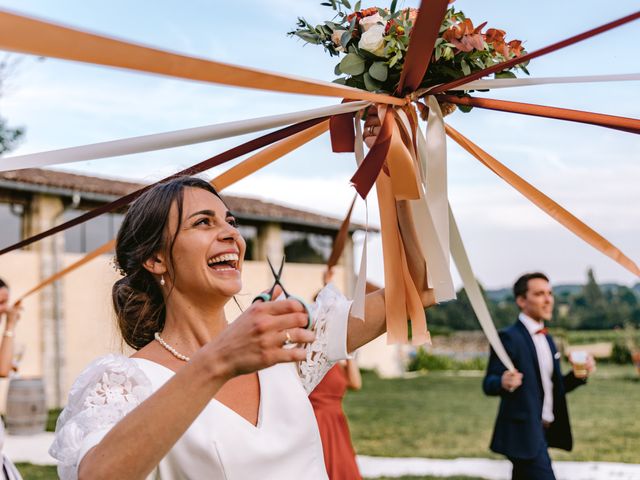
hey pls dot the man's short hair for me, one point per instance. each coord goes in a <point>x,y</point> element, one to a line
<point>522,284</point>
<point>3,284</point>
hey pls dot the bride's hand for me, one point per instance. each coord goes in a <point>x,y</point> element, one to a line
<point>255,340</point>
<point>371,127</point>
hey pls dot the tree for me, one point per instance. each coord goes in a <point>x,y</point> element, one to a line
<point>9,137</point>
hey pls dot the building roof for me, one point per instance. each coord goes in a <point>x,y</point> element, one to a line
<point>104,190</point>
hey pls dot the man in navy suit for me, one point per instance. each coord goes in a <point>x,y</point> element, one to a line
<point>533,410</point>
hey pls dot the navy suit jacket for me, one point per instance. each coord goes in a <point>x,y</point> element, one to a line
<point>518,431</point>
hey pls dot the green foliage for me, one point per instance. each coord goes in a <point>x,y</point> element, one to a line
<point>426,361</point>
<point>381,56</point>
<point>9,137</point>
<point>620,353</point>
<point>37,472</point>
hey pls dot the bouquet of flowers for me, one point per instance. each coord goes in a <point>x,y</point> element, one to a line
<point>374,43</point>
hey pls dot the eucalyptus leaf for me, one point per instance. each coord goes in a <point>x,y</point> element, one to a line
<point>346,3</point>
<point>505,74</point>
<point>345,38</point>
<point>356,7</point>
<point>340,81</point>
<point>379,71</point>
<point>465,67</point>
<point>352,64</point>
<point>309,37</point>
<point>337,70</point>
<point>394,3</point>
<point>370,83</point>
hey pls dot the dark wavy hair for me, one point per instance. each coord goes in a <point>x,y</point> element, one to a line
<point>137,298</point>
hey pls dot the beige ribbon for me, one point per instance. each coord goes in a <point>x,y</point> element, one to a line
<point>177,138</point>
<point>474,293</point>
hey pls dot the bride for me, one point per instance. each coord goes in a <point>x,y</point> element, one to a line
<point>203,398</point>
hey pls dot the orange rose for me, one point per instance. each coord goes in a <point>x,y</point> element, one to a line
<point>515,47</point>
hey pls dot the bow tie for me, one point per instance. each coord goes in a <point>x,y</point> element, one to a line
<point>543,331</point>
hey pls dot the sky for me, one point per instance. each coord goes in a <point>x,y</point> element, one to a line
<point>591,171</point>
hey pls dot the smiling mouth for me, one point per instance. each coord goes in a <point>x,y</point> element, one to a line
<point>227,262</point>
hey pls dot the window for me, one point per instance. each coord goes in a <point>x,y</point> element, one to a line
<point>250,235</point>
<point>92,234</point>
<point>304,247</point>
<point>11,221</point>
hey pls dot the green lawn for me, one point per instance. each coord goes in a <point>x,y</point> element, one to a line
<point>442,416</point>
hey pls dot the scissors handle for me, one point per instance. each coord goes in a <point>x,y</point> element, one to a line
<point>310,321</point>
<point>262,297</point>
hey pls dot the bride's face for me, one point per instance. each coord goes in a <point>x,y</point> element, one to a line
<point>208,250</point>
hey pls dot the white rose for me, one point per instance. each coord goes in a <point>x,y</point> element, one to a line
<point>373,40</point>
<point>367,22</point>
<point>336,36</point>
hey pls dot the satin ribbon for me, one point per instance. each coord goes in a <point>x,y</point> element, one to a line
<point>222,181</point>
<point>101,250</point>
<point>546,204</point>
<point>625,124</point>
<point>402,300</point>
<point>435,247</point>
<point>474,293</point>
<point>158,141</point>
<point>423,38</point>
<point>494,83</point>
<point>268,155</point>
<point>537,53</point>
<point>360,290</point>
<point>200,167</point>
<point>27,35</point>
<point>341,238</point>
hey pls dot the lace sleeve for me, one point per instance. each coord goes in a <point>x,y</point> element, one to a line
<point>331,314</point>
<point>103,394</point>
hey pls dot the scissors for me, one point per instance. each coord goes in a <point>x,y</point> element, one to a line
<point>268,296</point>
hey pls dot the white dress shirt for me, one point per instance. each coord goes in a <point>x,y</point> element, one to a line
<point>545,362</point>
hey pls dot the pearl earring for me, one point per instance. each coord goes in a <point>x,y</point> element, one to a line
<point>162,280</point>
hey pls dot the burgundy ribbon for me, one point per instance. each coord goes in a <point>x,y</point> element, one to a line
<point>369,169</point>
<point>423,39</point>
<point>200,167</point>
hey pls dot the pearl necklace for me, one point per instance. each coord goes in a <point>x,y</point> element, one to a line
<point>170,349</point>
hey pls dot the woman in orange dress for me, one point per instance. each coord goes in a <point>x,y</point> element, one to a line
<point>326,399</point>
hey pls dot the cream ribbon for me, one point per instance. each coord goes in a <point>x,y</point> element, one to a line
<point>177,138</point>
<point>360,290</point>
<point>431,242</point>
<point>523,82</point>
<point>474,293</point>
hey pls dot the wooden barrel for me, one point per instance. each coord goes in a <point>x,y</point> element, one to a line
<point>26,406</point>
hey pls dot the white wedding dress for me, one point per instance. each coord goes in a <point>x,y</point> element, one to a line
<point>219,444</point>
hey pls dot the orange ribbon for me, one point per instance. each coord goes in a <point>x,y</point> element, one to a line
<point>27,35</point>
<point>631,125</point>
<point>402,300</point>
<point>553,209</point>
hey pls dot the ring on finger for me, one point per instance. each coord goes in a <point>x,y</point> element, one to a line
<point>287,340</point>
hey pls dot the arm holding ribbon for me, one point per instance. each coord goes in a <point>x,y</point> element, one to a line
<point>360,333</point>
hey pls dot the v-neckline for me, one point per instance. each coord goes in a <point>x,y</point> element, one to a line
<point>259,422</point>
